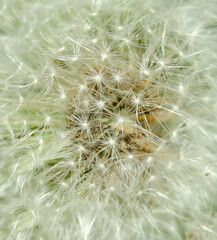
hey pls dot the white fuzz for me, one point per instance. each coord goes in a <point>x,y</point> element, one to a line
<point>108,120</point>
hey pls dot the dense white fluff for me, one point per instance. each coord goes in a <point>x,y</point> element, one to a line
<point>108,120</point>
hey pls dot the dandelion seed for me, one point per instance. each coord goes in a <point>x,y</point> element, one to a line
<point>181,53</point>
<point>85,125</point>
<point>181,88</point>
<point>174,134</point>
<point>152,178</point>
<point>146,72</point>
<point>126,40</point>
<point>111,142</point>
<point>92,185</point>
<point>175,108</point>
<point>61,49</point>
<point>86,103</point>
<point>82,87</point>
<point>41,141</point>
<point>130,156</point>
<point>75,58</point>
<point>47,119</point>
<point>117,78</point>
<point>94,40</point>
<point>98,78</point>
<point>81,148</point>
<point>101,165</point>
<point>100,104</point>
<point>120,120</point>
<point>136,100</point>
<point>20,67</point>
<point>63,96</point>
<point>206,99</point>
<point>104,56</point>
<point>149,159</point>
<point>64,184</point>
<point>87,27</point>
<point>120,28</point>
<point>52,74</point>
<point>162,63</point>
<point>170,165</point>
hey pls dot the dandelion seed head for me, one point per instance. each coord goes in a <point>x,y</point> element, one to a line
<point>105,109</point>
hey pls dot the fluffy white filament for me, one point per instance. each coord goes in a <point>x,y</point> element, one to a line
<point>108,120</point>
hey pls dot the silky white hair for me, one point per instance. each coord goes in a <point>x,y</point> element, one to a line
<point>108,119</point>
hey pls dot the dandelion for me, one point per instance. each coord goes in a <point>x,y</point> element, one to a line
<point>108,114</point>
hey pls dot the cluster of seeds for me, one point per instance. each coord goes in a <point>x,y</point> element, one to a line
<point>118,104</point>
